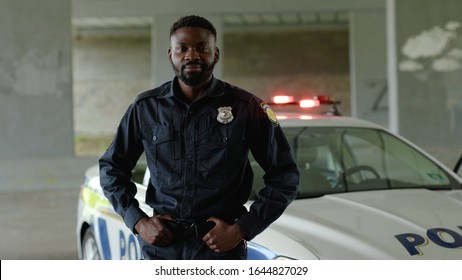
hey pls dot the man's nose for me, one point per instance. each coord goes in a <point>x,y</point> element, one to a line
<point>192,54</point>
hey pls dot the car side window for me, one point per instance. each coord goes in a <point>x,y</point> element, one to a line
<point>339,159</point>
<point>400,165</point>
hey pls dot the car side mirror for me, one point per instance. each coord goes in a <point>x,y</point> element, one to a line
<point>458,168</point>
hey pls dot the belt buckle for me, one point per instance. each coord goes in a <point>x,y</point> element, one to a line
<point>195,228</point>
<point>191,230</point>
<point>184,223</point>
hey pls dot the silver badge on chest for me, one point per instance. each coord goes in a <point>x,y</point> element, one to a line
<point>225,115</point>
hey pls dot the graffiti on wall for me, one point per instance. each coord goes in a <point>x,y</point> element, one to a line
<point>438,49</point>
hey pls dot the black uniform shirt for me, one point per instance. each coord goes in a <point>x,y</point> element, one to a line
<point>197,155</point>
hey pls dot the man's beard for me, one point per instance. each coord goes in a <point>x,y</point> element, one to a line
<point>194,78</point>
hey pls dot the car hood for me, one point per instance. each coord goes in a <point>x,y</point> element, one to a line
<point>390,224</point>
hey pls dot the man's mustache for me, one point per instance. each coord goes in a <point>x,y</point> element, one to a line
<point>192,63</point>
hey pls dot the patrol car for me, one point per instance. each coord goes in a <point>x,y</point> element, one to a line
<point>365,193</point>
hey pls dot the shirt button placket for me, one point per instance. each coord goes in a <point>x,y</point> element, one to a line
<point>189,164</point>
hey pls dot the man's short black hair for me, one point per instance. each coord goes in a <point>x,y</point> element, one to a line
<point>193,21</point>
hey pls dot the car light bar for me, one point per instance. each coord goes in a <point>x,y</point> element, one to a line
<point>314,101</point>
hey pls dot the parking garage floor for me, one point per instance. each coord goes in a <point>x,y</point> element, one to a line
<point>38,225</point>
<point>38,208</point>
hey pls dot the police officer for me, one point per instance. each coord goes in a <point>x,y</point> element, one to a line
<point>196,132</point>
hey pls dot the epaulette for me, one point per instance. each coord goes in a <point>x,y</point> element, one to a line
<point>158,91</point>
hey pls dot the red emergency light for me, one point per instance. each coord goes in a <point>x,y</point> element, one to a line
<point>290,100</point>
<point>282,99</point>
<point>309,103</point>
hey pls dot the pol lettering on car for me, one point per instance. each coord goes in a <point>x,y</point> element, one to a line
<point>442,237</point>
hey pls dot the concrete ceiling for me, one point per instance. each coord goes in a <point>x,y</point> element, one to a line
<point>136,17</point>
<point>141,25</point>
<point>142,8</point>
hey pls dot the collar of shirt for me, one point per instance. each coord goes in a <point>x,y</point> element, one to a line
<point>214,90</point>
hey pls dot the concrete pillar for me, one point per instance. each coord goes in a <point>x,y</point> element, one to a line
<point>429,40</point>
<point>36,123</point>
<point>161,67</point>
<point>35,78</point>
<point>368,66</point>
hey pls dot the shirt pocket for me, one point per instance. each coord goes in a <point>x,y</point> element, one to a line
<point>220,155</point>
<point>163,148</point>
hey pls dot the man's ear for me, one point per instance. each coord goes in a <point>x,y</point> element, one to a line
<point>170,54</point>
<point>217,54</point>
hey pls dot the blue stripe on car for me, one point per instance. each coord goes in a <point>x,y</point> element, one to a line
<point>104,239</point>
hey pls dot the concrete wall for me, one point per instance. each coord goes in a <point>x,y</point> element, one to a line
<point>35,78</point>
<point>296,62</point>
<point>108,74</point>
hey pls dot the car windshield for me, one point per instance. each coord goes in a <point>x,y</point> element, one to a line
<point>339,159</point>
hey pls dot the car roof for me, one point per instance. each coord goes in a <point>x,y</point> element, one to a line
<point>300,119</point>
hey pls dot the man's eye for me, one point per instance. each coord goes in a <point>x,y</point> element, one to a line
<point>204,49</point>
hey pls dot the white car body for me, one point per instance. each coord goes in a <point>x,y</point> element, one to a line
<point>404,223</point>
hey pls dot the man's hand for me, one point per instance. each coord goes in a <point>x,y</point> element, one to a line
<point>154,231</point>
<point>223,237</point>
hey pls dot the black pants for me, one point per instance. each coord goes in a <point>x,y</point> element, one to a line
<point>190,248</point>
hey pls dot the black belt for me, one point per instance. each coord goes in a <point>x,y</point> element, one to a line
<point>186,229</point>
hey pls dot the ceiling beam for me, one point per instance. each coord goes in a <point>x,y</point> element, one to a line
<point>141,8</point>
